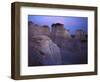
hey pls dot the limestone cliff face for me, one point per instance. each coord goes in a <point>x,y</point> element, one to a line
<point>58,30</point>
<point>35,29</point>
<point>45,30</point>
<point>55,45</point>
<point>45,51</point>
<point>80,35</point>
<point>60,35</point>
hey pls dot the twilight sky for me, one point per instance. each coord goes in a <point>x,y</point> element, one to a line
<point>71,23</point>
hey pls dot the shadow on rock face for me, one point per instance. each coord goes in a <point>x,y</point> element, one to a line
<point>43,51</point>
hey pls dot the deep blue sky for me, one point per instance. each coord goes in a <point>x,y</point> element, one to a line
<point>71,23</point>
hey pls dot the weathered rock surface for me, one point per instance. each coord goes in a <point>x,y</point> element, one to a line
<point>55,45</point>
<point>80,35</point>
<point>44,50</point>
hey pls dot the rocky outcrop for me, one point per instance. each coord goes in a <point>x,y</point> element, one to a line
<point>80,35</point>
<point>55,45</point>
<point>45,51</point>
<point>45,30</point>
<point>35,29</point>
<point>60,35</point>
<point>58,30</point>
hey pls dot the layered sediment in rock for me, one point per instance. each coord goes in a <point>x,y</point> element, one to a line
<point>57,31</point>
<point>80,35</point>
<point>71,49</point>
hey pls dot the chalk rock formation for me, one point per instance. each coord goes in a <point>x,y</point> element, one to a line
<point>58,30</point>
<point>35,29</point>
<point>45,51</point>
<point>45,30</point>
<point>60,34</point>
<point>80,35</point>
